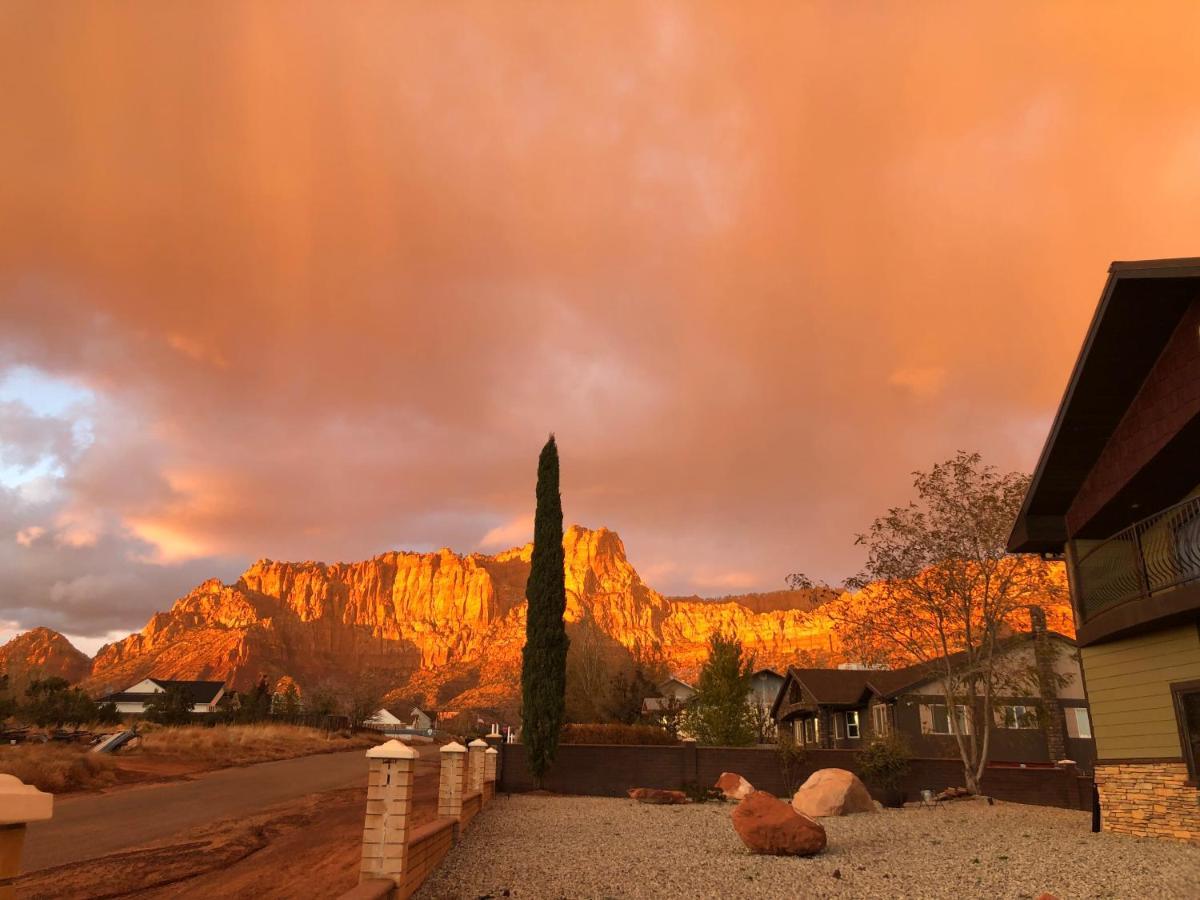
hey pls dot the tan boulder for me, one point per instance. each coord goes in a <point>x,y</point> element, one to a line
<point>656,795</point>
<point>767,824</point>
<point>832,792</point>
<point>734,786</point>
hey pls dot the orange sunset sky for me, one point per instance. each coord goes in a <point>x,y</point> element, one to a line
<point>315,280</point>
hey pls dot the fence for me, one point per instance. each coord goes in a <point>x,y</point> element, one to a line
<point>611,770</point>
<point>397,857</point>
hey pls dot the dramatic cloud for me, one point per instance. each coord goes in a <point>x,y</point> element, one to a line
<point>328,278</point>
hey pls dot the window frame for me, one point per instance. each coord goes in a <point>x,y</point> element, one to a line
<point>1072,715</point>
<point>1178,690</point>
<point>839,727</point>
<point>964,719</point>
<point>880,720</point>
<point>857,725</point>
<point>1026,709</point>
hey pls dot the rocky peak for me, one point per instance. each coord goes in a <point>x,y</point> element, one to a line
<point>43,652</point>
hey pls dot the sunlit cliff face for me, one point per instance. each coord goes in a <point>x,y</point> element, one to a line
<point>451,627</point>
<point>316,284</point>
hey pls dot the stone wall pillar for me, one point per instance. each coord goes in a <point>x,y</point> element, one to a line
<point>491,758</point>
<point>451,780</point>
<point>389,801</point>
<point>20,804</point>
<point>1055,722</point>
<point>475,765</point>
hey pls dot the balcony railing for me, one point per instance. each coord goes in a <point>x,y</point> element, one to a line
<point>1156,554</point>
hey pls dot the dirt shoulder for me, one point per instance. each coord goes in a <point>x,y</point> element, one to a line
<point>252,856</point>
<point>168,754</point>
<point>257,857</point>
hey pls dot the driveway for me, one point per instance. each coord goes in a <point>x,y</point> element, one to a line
<point>90,825</point>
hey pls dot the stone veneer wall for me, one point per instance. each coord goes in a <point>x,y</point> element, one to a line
<point>1149,799</point>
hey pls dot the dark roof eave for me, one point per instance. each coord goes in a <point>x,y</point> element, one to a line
<point>1037,530</point>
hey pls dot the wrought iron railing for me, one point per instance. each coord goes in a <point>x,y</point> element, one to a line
<point>1156,554</point>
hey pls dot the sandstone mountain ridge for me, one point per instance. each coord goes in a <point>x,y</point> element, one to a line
<point>445,626</point>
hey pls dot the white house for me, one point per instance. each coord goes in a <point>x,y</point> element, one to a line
<point>387,720</point>
<point>672,694</point>
<point>205,695</point>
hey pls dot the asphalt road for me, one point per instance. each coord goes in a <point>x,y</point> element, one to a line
<point>91,825</point>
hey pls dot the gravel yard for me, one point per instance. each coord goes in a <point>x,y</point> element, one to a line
<point>575,847</point>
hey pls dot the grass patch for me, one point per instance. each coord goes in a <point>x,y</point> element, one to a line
<point>57,768</point>
<point>240,745</point>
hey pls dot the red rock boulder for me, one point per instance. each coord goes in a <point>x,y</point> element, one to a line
<point>655,795</point>
<point>767,824</point>
<point>832,792</point>
<point>734,786</point>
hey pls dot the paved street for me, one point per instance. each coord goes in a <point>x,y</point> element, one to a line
<point>90,825</point>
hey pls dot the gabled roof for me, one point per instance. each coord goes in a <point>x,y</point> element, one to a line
<point>851,687</point>
<point>196,691</point>
<point>1141,306</point>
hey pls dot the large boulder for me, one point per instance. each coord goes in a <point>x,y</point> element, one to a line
<point>767,824</point>
<point>734,786</point>
<point>656,795</point>
<point>832,792</point>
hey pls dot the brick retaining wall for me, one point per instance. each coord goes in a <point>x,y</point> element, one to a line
<point>426,847</point>
<point>611,770</point>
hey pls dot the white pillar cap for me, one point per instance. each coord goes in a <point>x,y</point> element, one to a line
<point>393,749</point>
<point>492,751</point>
<point>478,742</point>
<point>454,747</point>
<point>20,802</point>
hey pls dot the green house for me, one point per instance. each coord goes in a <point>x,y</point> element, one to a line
<point>1116,494</point>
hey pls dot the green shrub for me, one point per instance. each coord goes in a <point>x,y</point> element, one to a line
<point>884,761</point>
<point>699,793</point>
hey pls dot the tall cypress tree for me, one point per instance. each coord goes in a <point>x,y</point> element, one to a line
<point>544,661</point>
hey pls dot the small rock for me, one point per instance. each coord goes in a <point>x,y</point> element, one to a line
<point>837,873</point>
<point>734,786</point>
<point>656,795</point>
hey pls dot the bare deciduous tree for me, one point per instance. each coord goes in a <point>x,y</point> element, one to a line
<point>939,587</point>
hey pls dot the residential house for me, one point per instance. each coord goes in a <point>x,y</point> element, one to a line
<point>393,720</point>
<point>205,695</point>
<point>764,688</point>
<point>673,694</point>
<point>840,708</point>
<point>1116,493</point>
<point>422,719</point>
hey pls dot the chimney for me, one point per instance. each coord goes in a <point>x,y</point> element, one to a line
<point>1037,620</point>
<point>1054,723</point>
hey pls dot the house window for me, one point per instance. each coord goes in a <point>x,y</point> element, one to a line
<point>838,731</point>
<point>1023,717</point>
<point>798,730</point>
<point>808,731</point>
<point>816,729</point>
<point>935,719</point>
<point>880,720</point>
<point>1187,713</point>
<point>1079,724</point>
<point>852,724</point>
